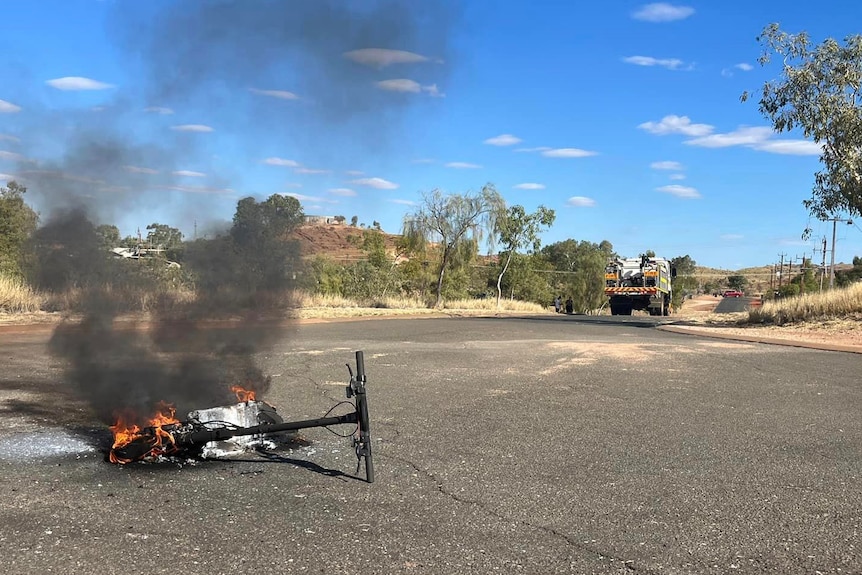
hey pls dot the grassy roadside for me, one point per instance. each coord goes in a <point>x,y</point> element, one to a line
<point>21,304</point>
<point>841,303</point>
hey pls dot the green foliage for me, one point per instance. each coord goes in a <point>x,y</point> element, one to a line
<point>109,235</point>
<point>584,263</point>
<point>818,93</point>
<point>516,230</point>
<point>685,281</point>
<point>737,282</point>
<point>528,279</point>
<point>450,220</point>
<point>844,278</point>
<point>17,223</point>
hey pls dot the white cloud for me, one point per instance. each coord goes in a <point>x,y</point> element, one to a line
<point>463,166</point>
<point>75,83</point>
<point>378,183</point>
<point>662,12</point>
<point>411,86</point>
<point>9,138</point>
<point>503,140</point>
<point>280,94</point>
<point>404,202</point>
<point>199,190</point>
<point>8,107</point>
<point>667,165</point>
<point>192,128</point>
<point>568,153</point>
<point>12,156</point>
<point>539,149</point>
<point>673,124</point>
<point>189,174</point>
<point>677,176</point>
<point>282,162</point>
<point>345,192</point>
<point>581,202</point>
<point>530,186</point>
<point>790,147</point>
<point>140,170</point>
<point>669,63</point>
<point>310,171</point>
<point>744,66</point>
<point>679,191</point>
<point>745,135</point>
<point>303,198</point>
<point>731,236</point>
<point>6,177</point>
<point>354,172</point>
<point>159,110</point>
<point>382,57</point>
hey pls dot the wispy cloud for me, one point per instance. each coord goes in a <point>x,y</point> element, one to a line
<point>409,86</point>
<point>744,66</point>
<point>9,138</point>
<point>677,176</point>
<point>192,128</point>
<point>667,165</point>
<point>282,162</point>
<point>382,57</point>
<point>311,171</point>
<point>463,166</point>
<point>649,61</point>
<point>6,177</point>
<point>303,198</point>
<point>344,192</point>
<point>423,161</point>
<point>673,124</point>
<point>8,107</point>
<point>662,12</point>
<point>354,172</point>
<point>403,202</point>
<point>199,190</point>
<point>140,170</point>
<point>279,94</point>
<point>731,237</point>
<point>538,149</point>
<point>568,153</point>
<point>378,183</point>
<point>743,136</point>
<point>581,202</point>
<point>758,138</point>
<point>77,83</point>
<point>503,140</point>
<point>530,186</point>
<point>686,192</point>
<point>188,174</point>
<point>159,110</point>
<point>11,156</point>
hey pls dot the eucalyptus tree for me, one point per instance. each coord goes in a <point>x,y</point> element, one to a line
<point>517,230</point>
<point>449,220</point>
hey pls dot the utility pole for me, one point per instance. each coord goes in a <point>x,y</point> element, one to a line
<point>823,267</point>
<point>780,270</point>
<point>832,255</point>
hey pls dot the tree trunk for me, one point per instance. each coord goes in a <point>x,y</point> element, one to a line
<point>500,279</point>
<point>440,277</point>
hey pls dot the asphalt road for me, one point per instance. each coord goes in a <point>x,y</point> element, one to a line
<point>501,446</point>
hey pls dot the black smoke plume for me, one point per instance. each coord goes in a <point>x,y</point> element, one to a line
<point>333,77</point>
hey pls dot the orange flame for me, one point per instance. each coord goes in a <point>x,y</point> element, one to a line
<point>243,395</point>
<point>161,441</point>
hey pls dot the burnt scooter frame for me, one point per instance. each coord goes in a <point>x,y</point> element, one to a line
<point>362,443</point>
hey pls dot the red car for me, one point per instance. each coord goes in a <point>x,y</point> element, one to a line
<point>732,293</point>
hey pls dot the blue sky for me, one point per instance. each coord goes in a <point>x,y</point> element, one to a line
<point>624,117</point>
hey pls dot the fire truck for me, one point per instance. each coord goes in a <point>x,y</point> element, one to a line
<point>642,283</point>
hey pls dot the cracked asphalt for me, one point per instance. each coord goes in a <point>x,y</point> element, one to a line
<point>501,445</point>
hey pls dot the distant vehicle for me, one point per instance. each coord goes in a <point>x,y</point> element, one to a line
<point>642,283</point>
<point>732,293</point>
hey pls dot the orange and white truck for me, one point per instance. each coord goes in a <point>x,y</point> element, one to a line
<point>641,283</point>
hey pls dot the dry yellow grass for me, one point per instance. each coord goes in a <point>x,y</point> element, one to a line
<point>17,297</point>
<point>490,304</point>
<point>837,303</point>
